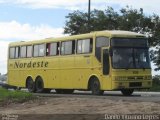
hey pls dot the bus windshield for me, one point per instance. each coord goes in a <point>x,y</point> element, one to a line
<point>126,58</point>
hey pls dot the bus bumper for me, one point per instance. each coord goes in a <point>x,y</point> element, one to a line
<point>117,85</point>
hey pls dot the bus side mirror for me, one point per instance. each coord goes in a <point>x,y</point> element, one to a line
<point>110,52</point>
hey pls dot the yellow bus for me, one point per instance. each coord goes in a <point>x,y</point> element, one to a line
<point>97,61</point>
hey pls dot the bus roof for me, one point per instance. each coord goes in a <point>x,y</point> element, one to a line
<point>109,33</point>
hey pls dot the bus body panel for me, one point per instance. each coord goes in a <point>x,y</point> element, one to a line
<point>74,71</point>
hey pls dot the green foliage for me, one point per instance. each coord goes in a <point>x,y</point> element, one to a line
<point>125,19</point>
<point>14,96</point>
<point>155,83</point>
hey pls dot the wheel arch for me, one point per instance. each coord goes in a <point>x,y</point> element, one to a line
<point>38,76</point>
<point>28,78</point>
<point>91,78</point>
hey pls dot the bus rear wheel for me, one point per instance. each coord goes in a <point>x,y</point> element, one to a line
<point>95,87</point>
<point>30,85</point>
<point>39,85</point>
<point>127,92</point>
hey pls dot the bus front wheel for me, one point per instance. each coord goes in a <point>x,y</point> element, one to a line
<point>95,87</point>
<point>30,85</point>
<point>127,92</point>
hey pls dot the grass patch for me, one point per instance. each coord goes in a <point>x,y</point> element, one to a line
<point>155,84</point>
<point>7,96</point>
<point>155,87</point>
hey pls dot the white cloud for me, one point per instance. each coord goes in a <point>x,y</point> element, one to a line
<point>149,6</point>
<point>16,31</point>
<point>3,56</point>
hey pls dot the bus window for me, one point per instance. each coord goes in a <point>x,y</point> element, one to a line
<point>12,52</point>
<point>41,50</point>
<point>35,52</point>
<point>84,46</point>
<point>29,51</point>
<point>17,52</point>
<point>67,47</point>
<point>52,49</point>
<point>100,42</point>
<point>23,51</point>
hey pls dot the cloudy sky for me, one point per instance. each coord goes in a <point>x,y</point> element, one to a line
<point>38,19</point>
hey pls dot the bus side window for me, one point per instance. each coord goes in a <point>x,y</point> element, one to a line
<point>100,42</point>
<point>52,49</point>
<point>35,50</point>
<point>29,51</point>
<point>23,51</point>
<point>17,52</point>
<point>67,47</point>
<point>12,52</point>
<point>41,50</point>
<point>84,46</point>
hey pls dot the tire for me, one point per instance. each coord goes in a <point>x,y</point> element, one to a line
<point>30,85</point>
<point>39,85</point>
<point>127,92</point>
<point>95,87</point>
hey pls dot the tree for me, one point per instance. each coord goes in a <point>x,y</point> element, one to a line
<point>126,19</point>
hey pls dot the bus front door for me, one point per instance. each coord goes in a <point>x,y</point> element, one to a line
<point>106,80</point>
<point>105,61</point>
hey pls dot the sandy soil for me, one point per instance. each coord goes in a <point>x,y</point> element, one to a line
<point>73,105</point>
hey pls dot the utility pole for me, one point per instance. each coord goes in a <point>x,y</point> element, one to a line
<point>89,12</point>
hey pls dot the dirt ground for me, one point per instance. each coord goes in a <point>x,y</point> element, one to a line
<point>80,105</point>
